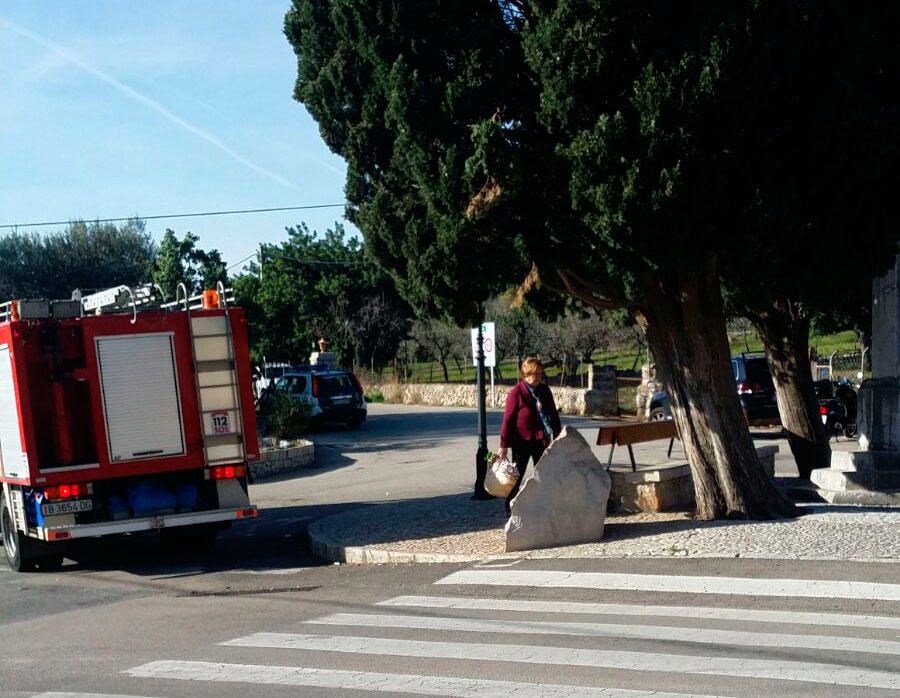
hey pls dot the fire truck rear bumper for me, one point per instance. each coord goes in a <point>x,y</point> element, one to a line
<point>147,523</point>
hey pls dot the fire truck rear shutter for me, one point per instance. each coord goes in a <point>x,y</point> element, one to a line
<point>140,396</point>
<point>12,461</point>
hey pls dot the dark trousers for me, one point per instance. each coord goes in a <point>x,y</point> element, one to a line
<point>522,452</point>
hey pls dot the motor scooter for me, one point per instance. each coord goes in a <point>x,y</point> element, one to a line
<point>837,407</point>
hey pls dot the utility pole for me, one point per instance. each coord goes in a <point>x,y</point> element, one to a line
<point>481,453</point>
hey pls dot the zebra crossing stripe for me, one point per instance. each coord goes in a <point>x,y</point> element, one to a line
<point>372,681</point>
<point>612,609</point>
<point>736,638</point>
<point>742,586</point>
<point>813,672</point>
<point>57,694</point>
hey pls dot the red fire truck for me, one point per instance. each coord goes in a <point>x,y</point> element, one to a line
<point>121,413</point>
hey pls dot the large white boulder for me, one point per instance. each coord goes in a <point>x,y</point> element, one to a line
<point>563,500</point>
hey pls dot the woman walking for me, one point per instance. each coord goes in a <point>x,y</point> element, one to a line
<point>530,422</point>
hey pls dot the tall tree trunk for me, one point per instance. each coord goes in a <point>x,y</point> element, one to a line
<point>685,326</point>
<point>784,330</point>
<point>443,362</point>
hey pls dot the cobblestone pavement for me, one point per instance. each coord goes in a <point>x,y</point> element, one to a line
<point>456,528</point>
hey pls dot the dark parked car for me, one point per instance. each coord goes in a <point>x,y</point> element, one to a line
<point>335,395</point>
<point>755,389</point>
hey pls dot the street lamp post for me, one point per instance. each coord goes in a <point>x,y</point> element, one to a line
<point>481,453</point>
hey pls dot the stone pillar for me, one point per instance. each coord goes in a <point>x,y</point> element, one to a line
<point>879,398</point>
<point>885,325</point>
<point>648,388</point>
<point>328,358</point>
<point>871,475</point>
<point>602,395</point>
<point>322,357</point>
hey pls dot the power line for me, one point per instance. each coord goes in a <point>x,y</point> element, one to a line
<point>174,215</point>
<point>299,260</point>
<point>241,261</point>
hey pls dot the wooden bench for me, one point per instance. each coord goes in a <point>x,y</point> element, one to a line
<point>637,433</point>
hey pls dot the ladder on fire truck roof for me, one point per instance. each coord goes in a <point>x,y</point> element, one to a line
<point>150,297</point>
<point>110,300</point>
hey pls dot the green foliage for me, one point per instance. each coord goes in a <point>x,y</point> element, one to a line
<point>621,146</point>
<point>283,416</point>
<point>181,261</point>
<point>87,256</point>
<point>374,396</point>
<point>396,89</point>
<point>315,286</point>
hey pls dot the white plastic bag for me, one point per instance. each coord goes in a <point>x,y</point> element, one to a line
<point>501,477</point>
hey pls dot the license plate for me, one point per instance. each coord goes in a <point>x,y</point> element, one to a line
<point>70,507</point>
<point>824,419</point>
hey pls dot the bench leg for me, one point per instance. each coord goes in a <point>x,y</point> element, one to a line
<point>631,455</point>
<point>612,448</point>
<point>671,443</point>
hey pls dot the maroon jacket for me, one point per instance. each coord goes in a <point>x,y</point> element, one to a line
<point>521,421</point>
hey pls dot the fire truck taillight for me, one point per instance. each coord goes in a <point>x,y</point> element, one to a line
<point>67,491</point>
<point>226,472</point>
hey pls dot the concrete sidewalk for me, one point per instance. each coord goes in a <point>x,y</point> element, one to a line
<point>414,466</point>
<point>453,528</point>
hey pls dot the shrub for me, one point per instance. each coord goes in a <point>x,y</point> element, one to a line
<point>285,417</point>
<point>374,395</point>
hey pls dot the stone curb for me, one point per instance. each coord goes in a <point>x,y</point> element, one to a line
<point>326,535</point>
<point>327,549</point>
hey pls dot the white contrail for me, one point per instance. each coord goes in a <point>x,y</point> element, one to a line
<point>146,101</point>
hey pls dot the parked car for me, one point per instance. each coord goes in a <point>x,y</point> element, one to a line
<point>335,395</point>
<point>755,389</point>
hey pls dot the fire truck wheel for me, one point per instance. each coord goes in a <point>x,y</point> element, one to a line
<point>18,547</point>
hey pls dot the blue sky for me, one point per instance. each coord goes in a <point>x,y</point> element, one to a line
<point>116,108</point>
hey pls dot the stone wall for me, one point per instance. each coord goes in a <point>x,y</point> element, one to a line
<point>573,401</point>
<point>276,459</point>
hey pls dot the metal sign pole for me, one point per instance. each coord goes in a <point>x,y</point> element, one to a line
<point>493,392</point>
<point>481,453</point>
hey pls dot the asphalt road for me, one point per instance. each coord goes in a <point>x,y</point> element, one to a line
<point>533,628</point>
<point>261,614</point>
